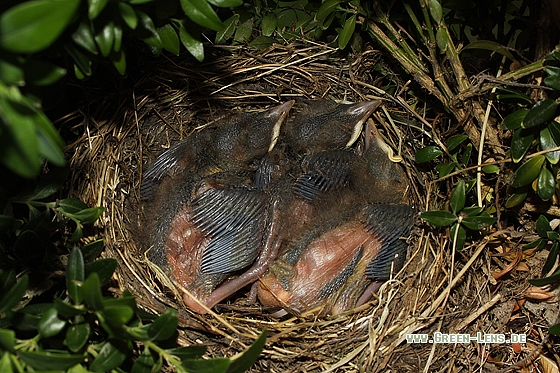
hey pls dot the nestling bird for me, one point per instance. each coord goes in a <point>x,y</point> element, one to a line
<point>355,219</point>
<point>205,220</point>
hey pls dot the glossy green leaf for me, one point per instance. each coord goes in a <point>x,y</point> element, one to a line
<point>455,141</point>
<point>491,169</point>
<point>528,171</point>
<point>92,250</point>
<point>88,215</point>
<point>50,325</point>
<point>147,31</point>
<point>117,44</point>
<point>554,128</point>
<point>50,142</point>
<point>91,292</point>
<point>67,310</point>
<point>43,360</point>
<point>540,113</point>
<point>268,25</point>
<point>461,235</point>
<point>547,142</point>
<point>546,184</point>
<point>111,356</point>
<point>117,315</point>
<point>427,153</point>
<point>553,82</point>
<point>5,363</point>
<point>32,26</point>
<point>126,299</point>
<point>164,326</point>
<point>442,39</point>
<point>472,210</point>
<point>7,339</point>
<point>247,359</point>
<point>552,70</point>
<point>216,365</point>
<point>458,198</point>
<point>244,30</point>
<point>228,29</point>
<point>435,10</point>
<point>226,3</point>
<point>169,39</point>
<point>520,143</point>
<point>83,63</point>
<point>103,267</point>
<point>144,362</point>
<point>119,61</point>
<point>539,244</point>
<point>75,273</point>
<point>77,336</point>
<point>128,15</point>
<point>202,13</point>
<point>42,73</point>
<point>14,295</point>
<point>478,222</point>
<point>553,235</point>
<point>262,42</point>
<point>547,280</point>
<point>438,218</point>
<point>347,32</point>
<point>105,37</point>
<point>515,199</point>
<point>444,169</point>
<point>326,9</point>
<point>491,46</point>
<point>466,157</point>
<point>551,259</point>
<point>514,120</point>
<point>84,38</point>
<point>95,7</point>
<point>71,205</point>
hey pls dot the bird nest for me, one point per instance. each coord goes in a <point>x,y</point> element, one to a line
<point>162,103</point>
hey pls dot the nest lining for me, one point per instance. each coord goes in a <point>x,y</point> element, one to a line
<point>434,291</point>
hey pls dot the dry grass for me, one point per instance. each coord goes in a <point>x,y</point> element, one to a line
<point>438,290</point>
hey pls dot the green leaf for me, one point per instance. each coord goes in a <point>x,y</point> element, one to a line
<point>514,120</point>
<point>554,329</point>
<point>347,32</point>
<point>461,235</point>
<point>326,9</point>
<point>248,358</point>
<point>75,275</point>
<point>119,61</point>
<point>226,3</point>
<point>491,169</point>
<point>14,295</point>
<point>92,250</point>
<point>84,38</point>
<point>164,327</point>
<point>111,356</point>
<point>91,292</point>
<point>435,10</point>
<point>88,215</point>
<point>543,226</point>
<point>42,73</point>
<point>442,39</point>
<point>467,154</point>
<point>128,15</point>
<point>50,360</point>
<point>202,13</point>
<point>82,67</point>
<point>244,30</point>
<point>262,42</point>
<point>520,143</point>
<point>77,336</point>
<point>491,46</point>
<point>455,141</point>
<point>546,184</point>
<point>8,339</point>
<point>540,113</point>
<point>551,259</point>
<point>439,218</point>
<point>50,325</point>
<point>444,169</point>
<point>528,171</point>
<point>50,142</point>
<point>71,205</point>
<point>554,128</point>
<point>268,24</point>
<point>34,25</point>
<point>191,352</point>
<point>103,267</point>
<point>458,197</point>
<point>427,153</point>
<point>11,72</point>
<point>478,222</point>
<point>147,31</point>
<point>144,362</point>
<point>547,280</point>
<point>117,315</point>
<point>515,199</point>
<point>553,82</point>
<point>216,365</point>
<point>547,142</point>
<point>95,7</point>
<point>228,29</point>
<point>105,37</point>
<point>169,38</point>
<point>66,309</point>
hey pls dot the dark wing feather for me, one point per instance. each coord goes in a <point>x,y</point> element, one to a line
<point>233,219</point>
<point>389,222</point>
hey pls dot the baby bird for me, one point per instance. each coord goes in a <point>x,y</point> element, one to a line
<point>353,240</point>
<point>204,218</point>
